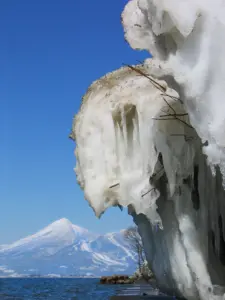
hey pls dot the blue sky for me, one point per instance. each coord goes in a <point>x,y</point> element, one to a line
<point>50,52</point>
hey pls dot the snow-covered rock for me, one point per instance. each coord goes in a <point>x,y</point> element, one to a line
<point>143,272</point>
<point>155,143</point>
<point>63,248</point>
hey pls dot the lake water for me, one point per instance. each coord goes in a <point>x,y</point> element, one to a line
<point>61,289</point>
<point>54,289</point>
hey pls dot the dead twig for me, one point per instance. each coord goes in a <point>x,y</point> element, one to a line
<point>163,89</point>
<point>174,115</point>
<point>156,84</point>
<point>147,192</point>
<point>187,138</point>
<point>174,119</point>
<point>173,97</point>
<point>169,105</point>
<point>114,185</point>
<point>185,123</point>
<point>159,119</point>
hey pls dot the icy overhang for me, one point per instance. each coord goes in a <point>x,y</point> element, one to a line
<point>127,122</point>
<point>187,41</point>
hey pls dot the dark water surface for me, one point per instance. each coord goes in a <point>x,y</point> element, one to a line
<point>67,289</point>
<point>54,289</point>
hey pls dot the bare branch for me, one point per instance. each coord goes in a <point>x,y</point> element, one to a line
<point>156,84</point>
<point>185,123</point>
<point>159,119</point>
<point>172,97</point>
<point>114,185</point>
<point>147,192</point>
<point>169,106</point>
<point>175,119</point>
<point>133,238</point>
<point>187,138</point>
<point>174,115</point>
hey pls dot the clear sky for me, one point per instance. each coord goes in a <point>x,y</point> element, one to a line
<point>50,52</point>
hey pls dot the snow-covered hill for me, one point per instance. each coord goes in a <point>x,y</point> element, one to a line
<point>67,249</point>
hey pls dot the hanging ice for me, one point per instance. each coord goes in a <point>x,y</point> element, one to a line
<point>120,145</point>
<point>187,40</point>
<point>156,146</point>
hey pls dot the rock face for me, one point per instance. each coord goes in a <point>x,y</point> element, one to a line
<point>151,138</point>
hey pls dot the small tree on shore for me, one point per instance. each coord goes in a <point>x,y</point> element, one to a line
<point>134,241</point>
<point>133,238</point>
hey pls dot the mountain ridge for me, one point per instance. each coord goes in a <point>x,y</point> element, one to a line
<point>63,248</point>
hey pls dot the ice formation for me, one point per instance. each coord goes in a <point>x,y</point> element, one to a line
<point>156,146</point>
<point>187,41</point>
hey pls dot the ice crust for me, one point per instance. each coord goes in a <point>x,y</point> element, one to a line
<point>119,141</point>
<point>187,41</point>
<point>156,146</point>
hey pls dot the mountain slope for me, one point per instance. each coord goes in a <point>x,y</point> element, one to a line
<point>67,249</point>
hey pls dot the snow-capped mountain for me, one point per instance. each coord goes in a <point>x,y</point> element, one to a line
<point>67,249</point>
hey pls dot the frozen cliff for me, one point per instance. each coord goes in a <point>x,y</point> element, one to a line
<point>151,138</point>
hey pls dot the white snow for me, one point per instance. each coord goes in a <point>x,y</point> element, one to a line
<point>85,247</point>
<point>111,237</point>
<point>57,235</point>
<point>128,154</point>
<point>105,259</point>
<point>187,41</point>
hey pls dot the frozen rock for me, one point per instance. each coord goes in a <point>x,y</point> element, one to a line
<point>156,146</point>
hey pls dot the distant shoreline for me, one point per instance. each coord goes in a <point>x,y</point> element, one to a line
<point>49,276</point>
